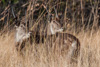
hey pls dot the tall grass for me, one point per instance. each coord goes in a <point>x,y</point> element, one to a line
<point>83,18</point>
<point>89,53</point>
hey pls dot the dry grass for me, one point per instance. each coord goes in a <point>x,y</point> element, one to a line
<point>89,56</point>
<point>37,55</point>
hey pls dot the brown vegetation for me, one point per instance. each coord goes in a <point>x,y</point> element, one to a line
<point>89,54</point>
<point>78,17</point>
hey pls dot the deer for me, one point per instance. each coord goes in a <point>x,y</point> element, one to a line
<point>20,36</point>
<point>56,38</point>
<point>63,41</point>
<point>60,41</point>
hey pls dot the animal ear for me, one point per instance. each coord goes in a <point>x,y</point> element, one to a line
<point>16,26</point>
<point>22,25</point>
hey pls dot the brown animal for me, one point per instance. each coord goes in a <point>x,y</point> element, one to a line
<point>54,27</point>
<point>63,43</point>
<point>21,35</point>
<point>66,44</point>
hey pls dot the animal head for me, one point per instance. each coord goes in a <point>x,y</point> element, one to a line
<point>54,27</point>
<point>21,33</point>
<point>20,28</point>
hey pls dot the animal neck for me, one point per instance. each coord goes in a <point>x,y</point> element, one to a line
<point>52,30</point>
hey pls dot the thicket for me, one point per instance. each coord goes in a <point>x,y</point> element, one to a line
<point>73,14</point>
